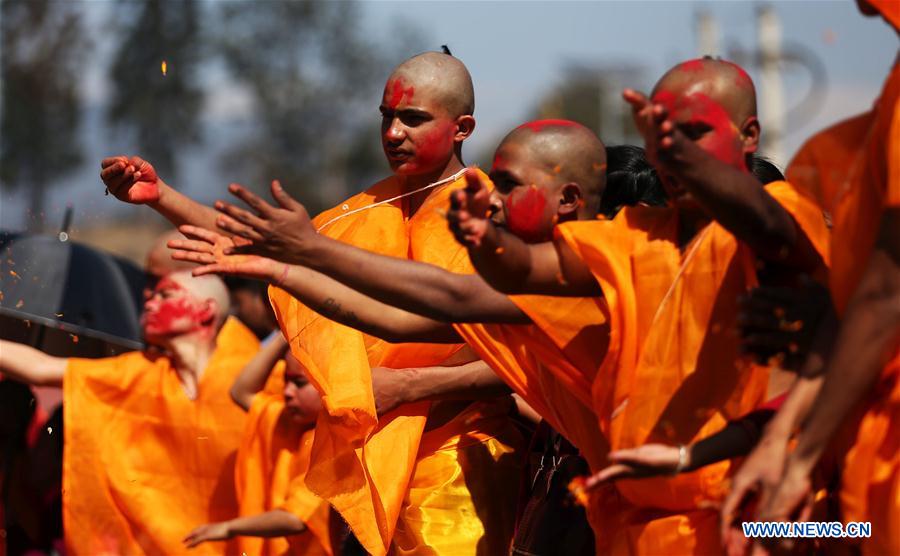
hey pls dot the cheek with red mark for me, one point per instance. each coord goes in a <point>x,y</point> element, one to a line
<point>432,148</point>
<point>526,214</point>
<point>724,141</point>
<point>171,316</point>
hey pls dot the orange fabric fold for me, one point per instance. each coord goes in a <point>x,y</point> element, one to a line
<point>143,464</point>
<point>870,489</point>
<point>674,356</point>
<point>360,464</point>
<point>272,461</point>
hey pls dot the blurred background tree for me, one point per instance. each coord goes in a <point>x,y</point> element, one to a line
<point>316,82</point>
<point>157,112</point>
<point>44,51</point>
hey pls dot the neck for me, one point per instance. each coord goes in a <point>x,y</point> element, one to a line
<point>189,354</point>
<point>690,221</point>
<point>418,181</point>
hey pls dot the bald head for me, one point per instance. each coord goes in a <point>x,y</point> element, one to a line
<point>435,75</point>
<point>724,82</point>
<point>568,149</point>
<point>159,259</point>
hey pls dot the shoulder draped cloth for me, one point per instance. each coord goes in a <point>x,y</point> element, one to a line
<point>870,486</point>
<point>271,464</point>
<point>673,356</point>
<point>363,465</point>
<point>143,464</point>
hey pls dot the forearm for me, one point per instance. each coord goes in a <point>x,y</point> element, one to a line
<point>254,375</point>
<point>742,206</point>
<point>339,303</point>
<point>179,209</point>
<point>867,336</point>
<point>503,260</point>
<point>471,381</point>
<point>274,523</point>
<point>29,365</point>
<point>413,286</point>
<point>735,440</point>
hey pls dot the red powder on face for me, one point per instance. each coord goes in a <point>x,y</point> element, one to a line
<point>538,125</point>
<point>723,142</point>
<point>525,210</point>
<point>432,147</point>
<point>398,92</point>
<point>173,314</point>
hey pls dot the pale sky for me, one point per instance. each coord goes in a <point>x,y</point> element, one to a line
<point>516,52</point>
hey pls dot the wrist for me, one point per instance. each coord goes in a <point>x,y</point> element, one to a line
<point>229,529</point>
<point>278,273</point>
<point>162,194</point>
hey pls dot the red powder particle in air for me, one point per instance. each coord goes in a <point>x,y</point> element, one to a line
<point>538,125</point>
<point>398,92</point>
<point>525,214</point>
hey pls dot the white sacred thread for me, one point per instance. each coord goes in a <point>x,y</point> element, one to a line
<point>448,179</point>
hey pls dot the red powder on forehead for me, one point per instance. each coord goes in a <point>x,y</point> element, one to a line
<point>538,125</point>
<point>723,141</point>
<point>525,214</point>
<point>398,92</point>
<point>693,65</point>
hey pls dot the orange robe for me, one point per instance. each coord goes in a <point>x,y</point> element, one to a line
<point>870,486</point>
<point>271,464</point>
<point>552,364</point>
<point>362,465</point>
<point>143,464</point>
<point>674,355</point>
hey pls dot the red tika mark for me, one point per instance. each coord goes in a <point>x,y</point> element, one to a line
<point>538,125</point>
<point>398,92</point>
<point>525,214</point>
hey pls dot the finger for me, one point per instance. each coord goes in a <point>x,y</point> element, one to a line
<point>193,257</point>
<point>202,234</point>
<point>110,160</point>
<point>473,181</point>
<point>637,100</point>
<point>241,215</point>
<point>232,227</point>
<point>190,245</point>
<point>283,199</point>
<point>112,170</point>
<point>214,268</point>
<point>251,199</point>
<point>610,473</point>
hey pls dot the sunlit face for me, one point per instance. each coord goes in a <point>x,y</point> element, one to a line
<point>417,133</point>
<point>525,196</point>
<point>708,125</point>
<point>302,401</point>
<point>171,311</point>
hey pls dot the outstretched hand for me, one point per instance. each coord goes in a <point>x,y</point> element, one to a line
<point>649,460</point>
<point>278,232</point>
<point>469,214</point>
<point>209,532</point>
<point>209,249</point>
<point>132,180</point>
<point>663,141</point>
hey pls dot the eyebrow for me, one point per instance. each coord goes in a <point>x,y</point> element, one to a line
<point>405,111</point>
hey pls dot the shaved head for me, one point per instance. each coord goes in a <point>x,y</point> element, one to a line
<point>568,149</point>
<point>438,76</point>
<point>724,82</point>
<point>203,288</point>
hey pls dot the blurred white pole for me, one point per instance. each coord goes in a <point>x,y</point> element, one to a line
<point>707,29</point>
<point>771,92</point>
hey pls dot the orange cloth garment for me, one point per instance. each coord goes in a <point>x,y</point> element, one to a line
<point>360,464</point>
<point>870,486</point>
<point>674,356</point>
<point>271,463</point>
<point>143,464</point>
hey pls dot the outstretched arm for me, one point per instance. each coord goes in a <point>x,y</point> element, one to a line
<point>134,180</point>
<point>255,373</point>
<point>26,364</point>
<point>736,199</point>
<point>274,523</point>
<point>505,261</point>
<point>324,295</point>
<point>867,336</point>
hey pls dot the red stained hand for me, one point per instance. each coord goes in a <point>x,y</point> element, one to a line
<point>281,233</point>
<point>470,210</point>
<point>209,250</point>
<point>132,180</point>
